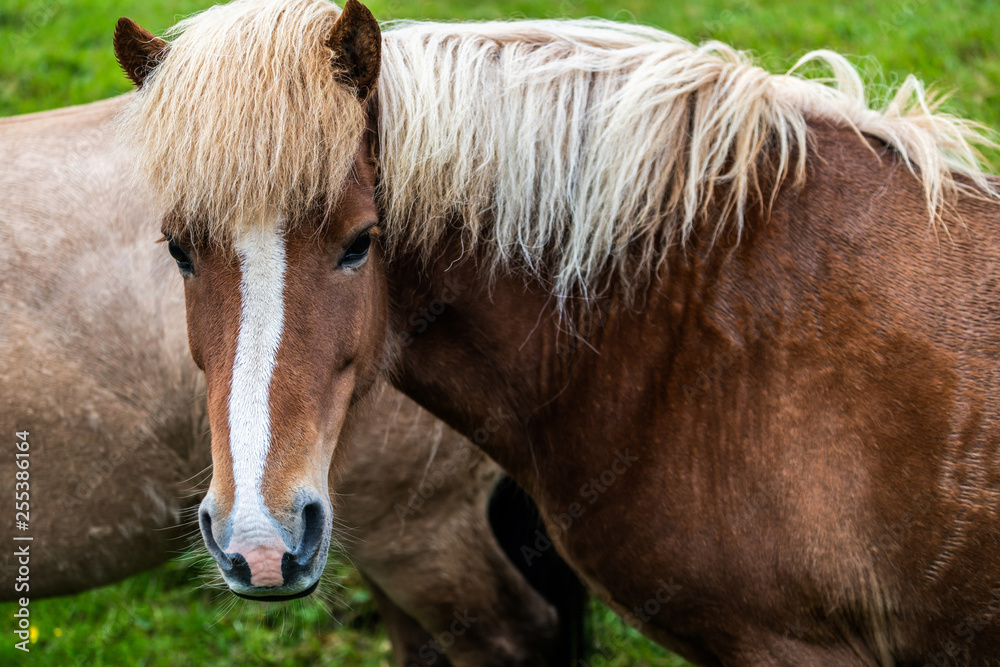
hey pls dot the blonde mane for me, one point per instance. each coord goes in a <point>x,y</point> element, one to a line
<point>246,120</point>
<point>556,144</point>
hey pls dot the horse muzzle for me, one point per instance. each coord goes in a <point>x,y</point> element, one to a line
<point>266,558</point>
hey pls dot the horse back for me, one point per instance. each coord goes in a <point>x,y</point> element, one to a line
<point>94,352</point>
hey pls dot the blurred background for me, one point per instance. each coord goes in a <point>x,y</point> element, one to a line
<point>55,53</point>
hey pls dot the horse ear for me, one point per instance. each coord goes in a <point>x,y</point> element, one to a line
<point>138,51</point>
<point>356,42</point>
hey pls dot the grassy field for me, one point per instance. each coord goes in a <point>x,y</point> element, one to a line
<point>164,619</point>
<point>55,53</point>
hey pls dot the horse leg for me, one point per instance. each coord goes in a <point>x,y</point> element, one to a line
<point>423,536</point>
<point>409,639</point>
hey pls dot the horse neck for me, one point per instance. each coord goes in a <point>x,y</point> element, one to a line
<point>495,360</point>
<point>461,354</point>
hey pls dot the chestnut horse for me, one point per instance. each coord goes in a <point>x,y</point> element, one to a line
<point>736,333</point>
<point>96,368</point>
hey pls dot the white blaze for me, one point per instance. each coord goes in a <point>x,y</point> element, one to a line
<point>262,318</point>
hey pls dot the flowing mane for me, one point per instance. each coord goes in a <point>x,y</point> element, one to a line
<point>557,144</point>
<point>246,119</point>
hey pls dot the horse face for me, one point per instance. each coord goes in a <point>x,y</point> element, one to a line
<point>286,315</point>
<point>289,327</point>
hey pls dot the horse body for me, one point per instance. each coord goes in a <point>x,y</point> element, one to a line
<point>97,370</point>
<point>744,369</point>
<point>92,366</point>
<point>807,418</point>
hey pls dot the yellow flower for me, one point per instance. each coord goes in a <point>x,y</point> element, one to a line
<point>33,634</point>
<point>57,632</point>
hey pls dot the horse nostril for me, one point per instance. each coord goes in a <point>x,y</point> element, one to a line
<point>205,522</point>
<point>312,530</point>
<point>240,569</point>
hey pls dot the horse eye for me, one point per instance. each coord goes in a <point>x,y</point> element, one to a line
<point>357,251</point>
<point>181,257</point>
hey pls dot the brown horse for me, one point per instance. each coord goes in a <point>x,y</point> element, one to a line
<point>97,370</point>
<point>736,333</point>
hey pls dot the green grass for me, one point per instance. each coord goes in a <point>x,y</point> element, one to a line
<point>165,618</point>
<point>55,53</point>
